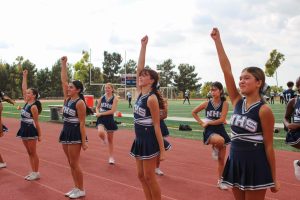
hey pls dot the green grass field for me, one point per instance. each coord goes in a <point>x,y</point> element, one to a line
<point>176,109</point>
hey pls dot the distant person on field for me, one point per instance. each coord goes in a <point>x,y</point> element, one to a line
<point>129,97</point>
<point>187,96</point>
<point>289,93</point>
<point>272,95</point>
<point>281,98</point>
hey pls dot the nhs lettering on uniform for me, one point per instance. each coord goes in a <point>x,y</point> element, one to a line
<point>244,122</point>
<point>69,111</point>
<point>25,113</point>
<point>140,111</point>
<point>213,113</point>
<point>106,105</point>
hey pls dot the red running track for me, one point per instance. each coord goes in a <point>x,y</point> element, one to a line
<point>190,173</point>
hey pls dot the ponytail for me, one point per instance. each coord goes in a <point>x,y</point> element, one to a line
<point>88,110</point>
<point>37,101</point>
<point>223,98</point>
<point>263,90</point>
<point>159,98</point>
<point>39,106</point>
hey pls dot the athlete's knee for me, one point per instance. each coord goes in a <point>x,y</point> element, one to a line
<point>149,178</point>
<point>141,176</point>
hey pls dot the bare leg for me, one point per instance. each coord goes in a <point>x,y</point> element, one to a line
<point>140,169</point>
<point>66,150</point>
<point>74,154</point>
<point>102,133</point>
<point>255,194</point>
<point>110,137</point>
<point>149,175</point>
<point>1,159</point>
<point>238,194</point>
<point>30,146</point>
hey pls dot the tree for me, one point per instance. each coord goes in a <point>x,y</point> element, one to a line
<point>44,82</point>
<point>272,64</point>
<point>186,79</point>
<point>97,77</point>
<point>31,68</point>
<point>111,67</point>
<point>82,68</point>
<point>130,67</point>
<point>56,89</point>
<point>166,73</point>
<point>205,88</point>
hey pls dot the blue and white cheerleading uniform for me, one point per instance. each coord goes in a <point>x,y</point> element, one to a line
<point>28,130</point>
<point>247,166</point>
<point>70,133</point>
<point>107,121</point>
<point>293,136</point>
<point>145,145</point>
<point>4,128</point>
<point>212,113</point>
<point>163,127</point>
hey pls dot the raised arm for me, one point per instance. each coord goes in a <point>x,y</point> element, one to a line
<point>141,62</point>
<point>64,76</point>
<point>226,68</point>
<point>24,83</point>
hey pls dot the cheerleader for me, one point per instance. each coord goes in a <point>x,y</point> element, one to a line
<point>250,168</point>
<point>30,131</point>
<point>2,127</point>
<point>106,125</point>
<point>292,123</point>
<point>216,110</point>
<point>149,143</point>
<point>73,135</point>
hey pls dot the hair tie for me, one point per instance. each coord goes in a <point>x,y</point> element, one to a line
<point>157,86</point>
<point>265,88</point>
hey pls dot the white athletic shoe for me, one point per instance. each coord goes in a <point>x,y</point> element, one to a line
<point>28,175</point>
<point>158,172</point>
<point>111,160</point>
<point>33,176</point>
<point>215,154</point>
<point>221,185</point>
<point>70,192</point>
<point>2,165</point>
<point>297,169</point>
<point>77,193</point>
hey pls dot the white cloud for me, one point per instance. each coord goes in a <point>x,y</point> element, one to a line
<point>43,30</point>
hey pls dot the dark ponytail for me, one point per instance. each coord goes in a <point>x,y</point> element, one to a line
<point>37,101</point>
<point>79,85</point>
<point>155,86</point>
<point>88,110</point>
<point>159,96</point>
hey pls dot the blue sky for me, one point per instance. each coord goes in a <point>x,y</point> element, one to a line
<point>42,31</point>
